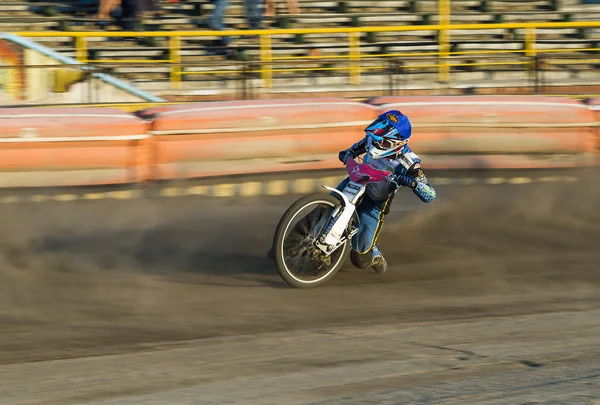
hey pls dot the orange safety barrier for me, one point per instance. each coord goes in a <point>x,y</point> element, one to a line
<point>42,147</point>
<point>218,138</point>
<point>497,131</point>
<point>87,146</point>
<point>594,105</point>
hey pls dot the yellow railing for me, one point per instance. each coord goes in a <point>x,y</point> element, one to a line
<point>354,50</point>
<point>444,39</point>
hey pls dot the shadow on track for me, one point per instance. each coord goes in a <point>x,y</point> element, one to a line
<point>155,237</point>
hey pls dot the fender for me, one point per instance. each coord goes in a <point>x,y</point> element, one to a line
<point>344,200</point>
<point>335,233</point>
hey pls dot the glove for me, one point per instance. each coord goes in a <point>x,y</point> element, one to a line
<point>407,181</point>
<point>343,155</point>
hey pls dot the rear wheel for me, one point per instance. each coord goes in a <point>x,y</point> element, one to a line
<point>299,262</point>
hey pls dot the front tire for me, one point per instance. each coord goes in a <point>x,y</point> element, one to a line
<point>298,261</point>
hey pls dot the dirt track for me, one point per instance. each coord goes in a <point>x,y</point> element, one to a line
<point>493,297</point>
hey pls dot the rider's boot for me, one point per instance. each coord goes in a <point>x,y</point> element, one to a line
<point>379,264</point>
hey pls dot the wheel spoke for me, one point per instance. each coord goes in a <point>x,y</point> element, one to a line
<point>302,258</point>
<point>304,264</point>
<point>304,225</point>
<point>297,260</point>
<point>294,239</point>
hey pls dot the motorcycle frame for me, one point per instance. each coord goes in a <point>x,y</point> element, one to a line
<point>334,234</point>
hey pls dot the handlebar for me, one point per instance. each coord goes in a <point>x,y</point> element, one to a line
<point>377,173</point>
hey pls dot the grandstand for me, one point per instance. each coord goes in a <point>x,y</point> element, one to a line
<point>563,60</point>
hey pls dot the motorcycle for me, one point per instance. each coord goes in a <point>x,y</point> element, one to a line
<point>312,240</point>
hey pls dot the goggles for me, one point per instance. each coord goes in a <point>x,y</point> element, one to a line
<point>389,144</point>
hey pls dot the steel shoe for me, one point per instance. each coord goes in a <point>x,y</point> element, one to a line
<point>379,264</point>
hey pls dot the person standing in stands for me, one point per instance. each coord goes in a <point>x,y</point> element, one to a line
<point>149,6</point>
<point>130,10</point>
<point>254,13</point>
<point>253,17</point>
<point>106,7</point>
<point>216,20</point>
<point>272,7</point>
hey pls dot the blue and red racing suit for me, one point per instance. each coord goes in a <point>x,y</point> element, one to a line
<point>379,196</point>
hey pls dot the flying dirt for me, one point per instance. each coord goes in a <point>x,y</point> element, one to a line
<point>91,278</point>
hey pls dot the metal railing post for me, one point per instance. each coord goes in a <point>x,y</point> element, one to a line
<point>354,56</point>
<point>266,59</point>
<point>391,71</point>
<point>530,51</point>
<point>89,88</point>
<point>175,61</point>
<point>245,75</point>
<point>242,81</point>
<point>536,77</point>
<point>541,77</point>
<point>251,91</point>
<point>81,49</point>
<point>444,40</point>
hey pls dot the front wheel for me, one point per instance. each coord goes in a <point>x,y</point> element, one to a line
<point>299,262</point>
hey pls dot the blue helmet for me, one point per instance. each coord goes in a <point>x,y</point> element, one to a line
<point>388,134</point>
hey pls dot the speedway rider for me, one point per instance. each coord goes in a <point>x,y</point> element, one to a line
<point>386,148</point>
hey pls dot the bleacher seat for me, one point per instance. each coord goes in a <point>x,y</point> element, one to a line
<point>75,15</point>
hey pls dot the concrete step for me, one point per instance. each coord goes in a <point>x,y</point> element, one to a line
<point>141,70</point>
<point>307,19</point>
<point>566,44</point>
<point>422,86</point>
<point>190,53</point>
<point>457,71</point>
<point>15,26</point>
<point>391,18</point>
<point>532,17</point>
<point>333,81</point>
<point>13,8</point>
<point>582,9</point>
<point>587,16</point>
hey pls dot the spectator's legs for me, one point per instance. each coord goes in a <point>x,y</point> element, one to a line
<point>216,19</point>
<point>254,13</point>
<point>149,6</point>
<point>105,8</point>
<point>293,7</point>
<point>271,8</point>
<point>129,17</point>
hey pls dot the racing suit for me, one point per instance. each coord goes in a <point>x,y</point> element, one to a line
<point>378,198</point>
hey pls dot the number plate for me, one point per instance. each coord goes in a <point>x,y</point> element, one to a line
<point>352,189</point>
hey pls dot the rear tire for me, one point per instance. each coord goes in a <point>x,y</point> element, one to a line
<point>294,250</point>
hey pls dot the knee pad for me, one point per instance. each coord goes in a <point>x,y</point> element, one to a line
<point>361,260</point>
